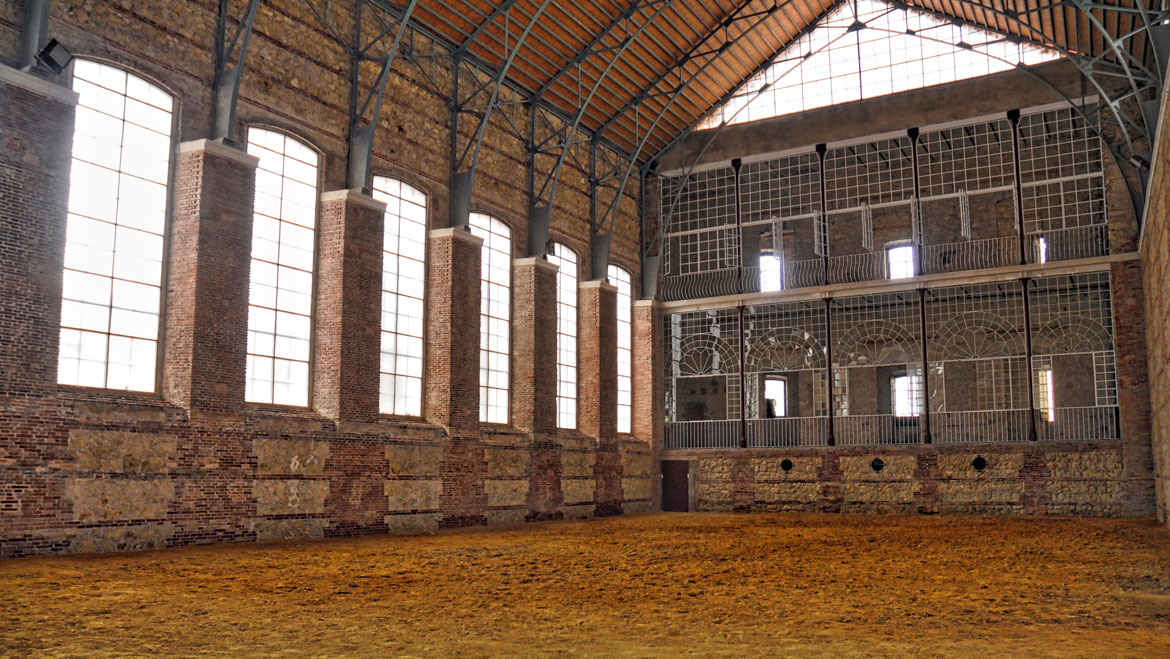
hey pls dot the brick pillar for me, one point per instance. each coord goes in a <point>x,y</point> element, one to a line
<point>452,383</point>
<point>207,284</point>
<point>36,141</point>
<point>534,346</point>
<point>597,348</point>
<point>1133,386</point>
<point>348,306</point>
<point>453,298</point>
<point>534,380</point>
<point>648,406</point>
<point>597,403</point>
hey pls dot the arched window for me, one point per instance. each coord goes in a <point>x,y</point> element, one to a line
<point>625,353</point>
<point>280,303</point>
<point>404,248</point>
<point>566,259</point>
<point>495,313</point>
<point>111,296</point>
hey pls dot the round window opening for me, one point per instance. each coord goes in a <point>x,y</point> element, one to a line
<point>979,463</point>
<point>877,464</point>
<point>786,465</point>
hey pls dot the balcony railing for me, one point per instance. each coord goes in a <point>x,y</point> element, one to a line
<point>787,432</point>
<point>971,255</point>
<point>701,434</point>
<point>1065,424</point>
<point>1068,244</point>
<point>876,430</point>
<point>998,426</point>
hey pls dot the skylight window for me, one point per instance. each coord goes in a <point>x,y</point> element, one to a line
<point>864,49</point>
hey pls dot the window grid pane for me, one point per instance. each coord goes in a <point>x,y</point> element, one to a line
<point>566,260</point>
<point>403,293</point>
<point>111,295</point>
<point>625,354</point>
<point>495,317</point>
<point>899,50</point>
<point>280,299</point>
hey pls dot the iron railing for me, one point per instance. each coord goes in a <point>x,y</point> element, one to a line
<point>787,432</point>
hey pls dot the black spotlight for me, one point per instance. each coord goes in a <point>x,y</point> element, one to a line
<point>55,56</point>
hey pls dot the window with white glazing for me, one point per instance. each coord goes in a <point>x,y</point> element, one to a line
<point>280,301</point>
<point>111,294</point>
<point>566,260</point>
<point>868,48</point>
<point>494,316</point>
<point>625,354</point>
<point>404,248</point>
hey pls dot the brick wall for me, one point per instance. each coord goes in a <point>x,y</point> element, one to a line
<point>1155,259</point>
<point>92,470</point>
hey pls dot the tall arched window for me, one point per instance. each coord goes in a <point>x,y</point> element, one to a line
<point>625,352</point>
<point>404,248</point>
<point>566,259</point>
<point>112,295</point>
<point>494,316</point>
<point>280,303</point>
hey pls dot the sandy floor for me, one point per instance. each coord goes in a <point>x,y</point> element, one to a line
<point>799,585</point>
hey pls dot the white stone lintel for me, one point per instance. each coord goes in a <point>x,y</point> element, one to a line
<point>354,196</point>
<point>218,149</point>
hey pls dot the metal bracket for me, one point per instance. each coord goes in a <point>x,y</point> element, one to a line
<point>35,31</point>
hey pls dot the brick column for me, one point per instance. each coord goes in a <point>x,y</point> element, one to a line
<point>534,346</point>
<point>648,403</point>
<point>597,350</point>
<point>348,306</point>
<point>207,283</point>
<point>597,403</point>
<point>534,380</point>
<point>453,298</point>
<point>648,406</point>
<point>1133,386</point>
<point>36,140</point>
<point>452,383</point>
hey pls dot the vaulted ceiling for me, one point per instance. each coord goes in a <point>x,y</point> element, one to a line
<point>677,59</point>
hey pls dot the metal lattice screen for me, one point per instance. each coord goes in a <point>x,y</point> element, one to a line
<point>963,211</point>
<point>702,351</point>
<point>1075,362</point>
<point>877,369</point>
<point>785,343</point>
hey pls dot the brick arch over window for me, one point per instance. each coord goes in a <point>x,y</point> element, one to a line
<point>495,317</point>
<point>404,248</point>
<point>112,287</point>
<point>280,301</point>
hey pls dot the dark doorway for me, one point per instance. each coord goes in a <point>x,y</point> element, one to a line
<point>675,486</point>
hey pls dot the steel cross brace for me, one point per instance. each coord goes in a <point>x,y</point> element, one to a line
<point>226,90</point>
<point>605,222</point>
<point>364,113</point>
<point>543,196</point>
<point>464,161</point>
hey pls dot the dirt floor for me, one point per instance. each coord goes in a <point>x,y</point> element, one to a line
<point>797,585</point>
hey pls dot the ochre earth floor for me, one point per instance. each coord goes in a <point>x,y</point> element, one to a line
<point>651,585</point>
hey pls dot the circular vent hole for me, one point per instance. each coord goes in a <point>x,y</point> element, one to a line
<point>979,463</point>
<point>786,465</point>
<point>877,464</point>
